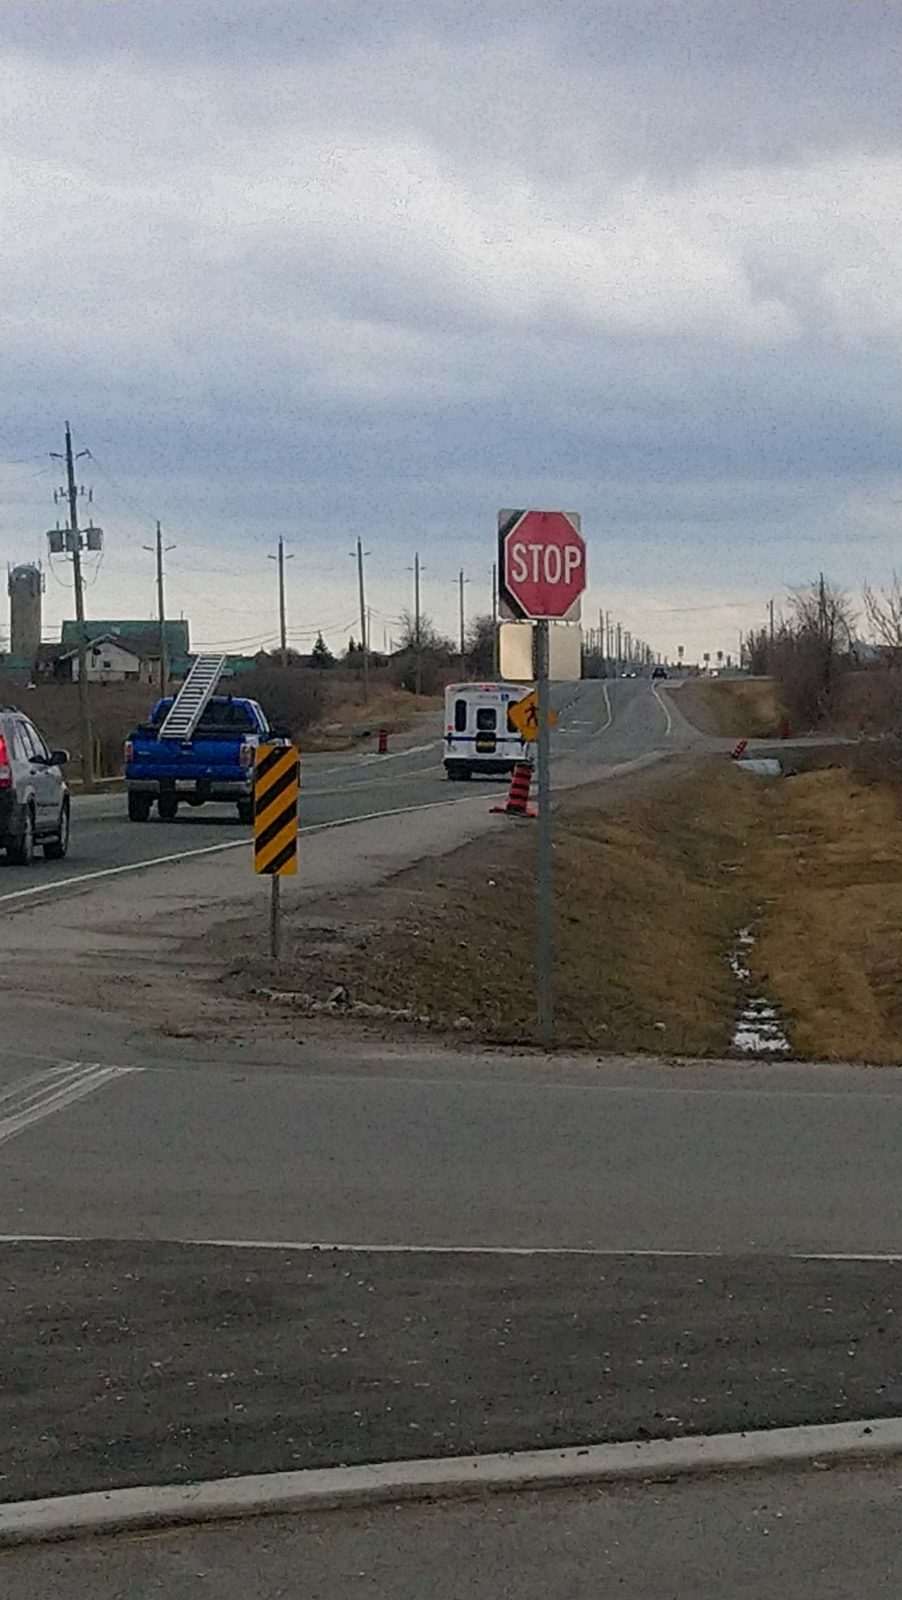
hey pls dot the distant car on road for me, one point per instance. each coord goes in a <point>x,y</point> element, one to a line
<point>659,672</point>
<point>34,794</point>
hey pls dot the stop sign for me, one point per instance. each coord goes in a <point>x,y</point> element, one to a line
<point>543,563</point>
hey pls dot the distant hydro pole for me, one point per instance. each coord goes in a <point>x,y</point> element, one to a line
<point>72,542</point>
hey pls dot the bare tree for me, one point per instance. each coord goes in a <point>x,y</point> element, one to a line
<point>812,652</point>
<point>480,655</point>
<point>756,651</point>
<point>883,609</point>
<point>429,638</point>
<point>423,656</point>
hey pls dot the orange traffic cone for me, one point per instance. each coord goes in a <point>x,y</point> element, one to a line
<point>738,750</point>
<point>517,803</point>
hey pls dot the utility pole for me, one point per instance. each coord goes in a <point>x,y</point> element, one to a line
<point>159,549</point>
<point>161,611</point>
<point>495,651</point>
<point>283,629</point>
<point>84,707</point>
<point>461,580</point>
<point>417,636</point>
<point>770,609</point>
<point>364,622</point>
<point>281,558</point>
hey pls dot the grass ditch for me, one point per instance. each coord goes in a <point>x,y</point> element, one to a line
<point>654,875</point>
<point>825,865</point>
<point>648,894</point>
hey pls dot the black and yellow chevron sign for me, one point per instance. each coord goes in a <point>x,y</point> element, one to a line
<point>276,782</point>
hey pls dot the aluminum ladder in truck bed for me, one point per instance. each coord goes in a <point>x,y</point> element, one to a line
<point>193,698</point>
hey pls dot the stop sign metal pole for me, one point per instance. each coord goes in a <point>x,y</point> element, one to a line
<point>544,995</point>
<point>542,574</point>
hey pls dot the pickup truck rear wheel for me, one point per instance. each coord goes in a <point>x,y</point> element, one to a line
<point>138,807</point>
<point>167,806</point>
<point>245,810</point>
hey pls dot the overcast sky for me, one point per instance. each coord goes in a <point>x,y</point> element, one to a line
<point>326,269</point>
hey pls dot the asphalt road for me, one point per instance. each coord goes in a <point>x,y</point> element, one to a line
<point>131,1364</point>
<point>609,723</point>
<point>812,1536</point>
<point>473,1151</point>
<point>695,1191</point>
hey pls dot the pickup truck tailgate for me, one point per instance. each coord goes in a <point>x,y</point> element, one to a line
<point>192,760</point>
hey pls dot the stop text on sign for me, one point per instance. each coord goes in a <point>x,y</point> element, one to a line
<point>544,563</point>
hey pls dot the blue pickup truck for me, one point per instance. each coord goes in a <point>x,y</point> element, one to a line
<point>215,763</point>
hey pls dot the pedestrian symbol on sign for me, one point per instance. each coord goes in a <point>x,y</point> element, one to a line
<point>524,715</point>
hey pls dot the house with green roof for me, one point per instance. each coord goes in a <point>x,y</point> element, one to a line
<point>175,634</point>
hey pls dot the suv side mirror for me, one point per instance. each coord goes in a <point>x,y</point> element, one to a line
<point>58,758</point>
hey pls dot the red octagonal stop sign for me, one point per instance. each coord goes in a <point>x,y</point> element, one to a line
<point>543,563</point>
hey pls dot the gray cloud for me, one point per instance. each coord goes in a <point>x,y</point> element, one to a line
<point>309,267</point>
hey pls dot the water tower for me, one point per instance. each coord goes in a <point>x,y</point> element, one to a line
<point>26,589</point>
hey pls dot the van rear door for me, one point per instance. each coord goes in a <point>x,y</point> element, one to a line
<point>486,730</point>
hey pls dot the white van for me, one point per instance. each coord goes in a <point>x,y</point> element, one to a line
<point>478,735</point>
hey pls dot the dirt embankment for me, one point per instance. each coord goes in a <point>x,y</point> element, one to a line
<point>739,708</point>
<point>646,902</point>
<point>654,876</point>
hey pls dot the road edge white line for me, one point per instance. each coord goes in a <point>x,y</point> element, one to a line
<point>335,1488</point>
<point>60,885</point>
<point>610,709</point>
<point>889,1258</point>
<point>668,715</point>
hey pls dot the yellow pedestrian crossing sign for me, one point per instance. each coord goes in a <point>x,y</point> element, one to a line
<point>524,714</point>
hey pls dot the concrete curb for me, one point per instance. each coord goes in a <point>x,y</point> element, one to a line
<point>225,1499</point>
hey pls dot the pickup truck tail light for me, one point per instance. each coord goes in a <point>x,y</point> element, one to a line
<point>246,755</point>
<point>129,751</point>
<point>6,776</point>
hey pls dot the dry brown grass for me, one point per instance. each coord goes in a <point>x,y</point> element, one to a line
<point>116,708</point>
<point>826,865</point>
<point>654,874</point>
<point>349,720</point>
<point>647,899</point>
<point>740,708</point>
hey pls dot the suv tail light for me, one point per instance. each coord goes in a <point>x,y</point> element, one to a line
<point>129,751</point>
<point>6,775</point>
